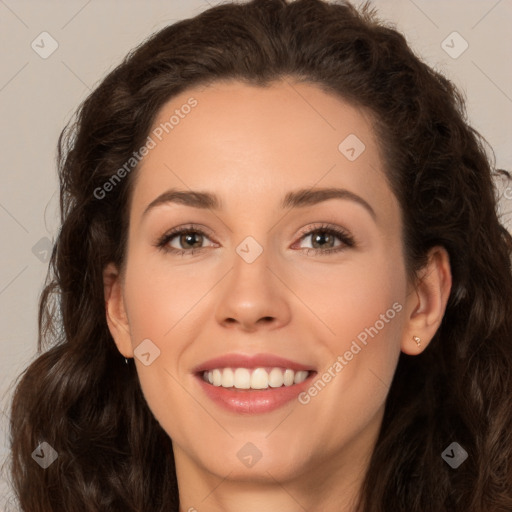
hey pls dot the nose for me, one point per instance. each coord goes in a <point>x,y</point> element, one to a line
<point>254,296</point>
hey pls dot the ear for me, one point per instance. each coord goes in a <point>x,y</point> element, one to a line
<point>115,310</point>
<point>426,304</point>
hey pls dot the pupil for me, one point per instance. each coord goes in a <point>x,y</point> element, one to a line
<point>187,238</point>
<point>324,236</point>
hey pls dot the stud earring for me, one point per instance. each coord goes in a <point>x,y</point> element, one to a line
<point>126,360</point>
<point>417,340</point>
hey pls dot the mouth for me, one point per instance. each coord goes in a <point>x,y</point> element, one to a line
<point>252,384</point>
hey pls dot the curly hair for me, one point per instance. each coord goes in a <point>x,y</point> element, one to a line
<point>81,398</point>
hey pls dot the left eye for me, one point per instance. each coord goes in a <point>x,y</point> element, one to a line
<point>322,238</point>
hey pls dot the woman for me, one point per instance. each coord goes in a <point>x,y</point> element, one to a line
<point>280,282</point>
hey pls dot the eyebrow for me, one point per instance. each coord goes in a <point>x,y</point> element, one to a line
<point>294,199</point>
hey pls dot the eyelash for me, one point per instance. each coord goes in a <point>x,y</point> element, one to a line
<point>344,236</point>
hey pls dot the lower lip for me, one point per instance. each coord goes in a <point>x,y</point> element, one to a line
<point>253,401</point>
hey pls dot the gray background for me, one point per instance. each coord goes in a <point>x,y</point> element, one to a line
<point>38,96</point>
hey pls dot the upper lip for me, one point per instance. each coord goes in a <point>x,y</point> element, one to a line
<point>250,361</point>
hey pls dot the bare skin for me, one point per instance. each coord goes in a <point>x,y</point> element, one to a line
<point>251,146</point>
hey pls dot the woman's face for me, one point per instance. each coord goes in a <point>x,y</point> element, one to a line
<point>262,281</point>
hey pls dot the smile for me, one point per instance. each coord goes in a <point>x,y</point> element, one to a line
<point>258,378</point>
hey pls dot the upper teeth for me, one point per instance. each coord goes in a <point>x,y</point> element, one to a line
<point>259,378</point>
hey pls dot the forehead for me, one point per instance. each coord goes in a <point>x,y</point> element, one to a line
<point>244,141</point>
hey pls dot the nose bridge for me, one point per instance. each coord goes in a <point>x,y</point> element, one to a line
<point>251,267</point>
<point>253,292</point>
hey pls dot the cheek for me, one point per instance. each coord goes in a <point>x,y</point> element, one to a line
<point>345,397</point>
<point>161,299</point>
<point>361,308</point>
<point>355,298</point>
<point>163,303</point>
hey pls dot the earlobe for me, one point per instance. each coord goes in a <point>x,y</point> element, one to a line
<point>115,310</point>
<point>427,304</point>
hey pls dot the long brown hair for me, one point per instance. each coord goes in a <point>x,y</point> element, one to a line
<point>81,398</point>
